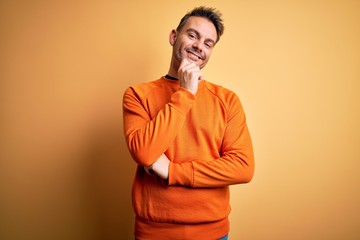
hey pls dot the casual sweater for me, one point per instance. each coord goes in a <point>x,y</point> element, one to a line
<point>205,137</point>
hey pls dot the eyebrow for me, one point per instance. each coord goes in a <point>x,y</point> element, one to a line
<point>198,34</point>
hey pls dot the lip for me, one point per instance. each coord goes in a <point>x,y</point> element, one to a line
<point>194,54</point>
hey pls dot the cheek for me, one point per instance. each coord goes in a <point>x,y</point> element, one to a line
<point>208,54</point>
<point>179,44</point>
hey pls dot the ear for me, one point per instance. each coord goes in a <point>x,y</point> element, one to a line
<point>172,37</point>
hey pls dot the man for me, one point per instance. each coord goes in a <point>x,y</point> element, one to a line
<point>189,138</point>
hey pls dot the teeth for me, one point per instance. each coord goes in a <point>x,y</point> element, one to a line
<point>193,56</point>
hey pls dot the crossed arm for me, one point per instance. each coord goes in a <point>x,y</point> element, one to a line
<point>148,139</point>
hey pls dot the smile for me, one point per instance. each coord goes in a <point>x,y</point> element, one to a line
<point>193,56</point>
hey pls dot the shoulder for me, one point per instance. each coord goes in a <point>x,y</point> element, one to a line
<point>228,98</point>
<point>143,89</point>
<point>225,95</point>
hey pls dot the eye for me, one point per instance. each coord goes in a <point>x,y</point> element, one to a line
<point>192,35</point>
<point>208,45</point>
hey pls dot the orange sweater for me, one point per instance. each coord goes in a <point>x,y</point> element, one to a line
<point>208,143</point>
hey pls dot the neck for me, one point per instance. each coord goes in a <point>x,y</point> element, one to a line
<point>173,69</point>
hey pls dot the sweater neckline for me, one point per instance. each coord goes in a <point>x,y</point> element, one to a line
<point>167,76</point>
<point>174,80</point>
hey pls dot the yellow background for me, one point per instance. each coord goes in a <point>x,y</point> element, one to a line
<point>65,172</point>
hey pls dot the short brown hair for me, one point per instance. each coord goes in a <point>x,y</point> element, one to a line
<point>207,12</point>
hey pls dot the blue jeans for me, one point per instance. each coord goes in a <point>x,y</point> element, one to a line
<point>224,237</point>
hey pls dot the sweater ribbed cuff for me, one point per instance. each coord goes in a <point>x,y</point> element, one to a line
<point>181,174</point>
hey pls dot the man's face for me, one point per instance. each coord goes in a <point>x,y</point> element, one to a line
<point>195,41</point>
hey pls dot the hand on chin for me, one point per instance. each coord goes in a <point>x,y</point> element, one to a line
<point>191,58</point>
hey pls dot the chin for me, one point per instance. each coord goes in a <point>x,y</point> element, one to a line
<point>202,65</point>
<point>198,62</point>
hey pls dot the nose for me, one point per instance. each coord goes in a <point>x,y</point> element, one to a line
<point>198,45</point>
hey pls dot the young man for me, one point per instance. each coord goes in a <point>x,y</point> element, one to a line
<point>190,140</point>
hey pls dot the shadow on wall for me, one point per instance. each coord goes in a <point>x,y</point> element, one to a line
<point>109,175</point>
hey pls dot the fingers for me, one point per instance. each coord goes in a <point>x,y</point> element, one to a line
<point>184,62</point>
<point>159,168</point>
<point>149,170</point>
<point>189,75</point>
<point>187,67</point>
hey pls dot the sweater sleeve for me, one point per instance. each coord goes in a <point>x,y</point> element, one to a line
<point>148,138</point>
<point>235,164</point>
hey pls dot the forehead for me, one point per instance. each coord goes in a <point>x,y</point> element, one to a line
<point>202,25</point>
